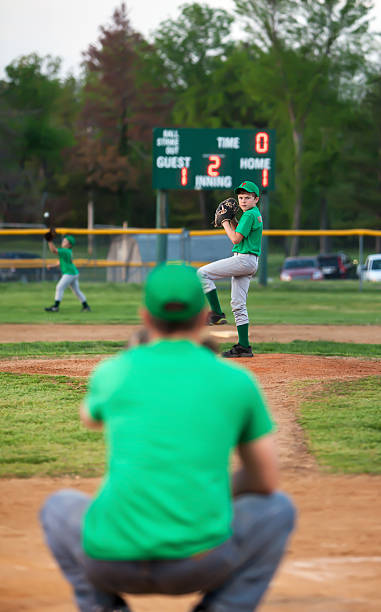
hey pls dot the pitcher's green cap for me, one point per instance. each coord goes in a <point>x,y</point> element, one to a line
<point>173,292</point>
<point>71,239</point>
<point>248,186</point>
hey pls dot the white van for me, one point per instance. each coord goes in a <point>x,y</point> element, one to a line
<point>371,270</point>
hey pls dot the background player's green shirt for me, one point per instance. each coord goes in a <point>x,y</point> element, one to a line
<point>66,262</point>
<point>172,411</point>
<point>250,226</point>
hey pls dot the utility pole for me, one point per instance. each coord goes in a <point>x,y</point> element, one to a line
<point>266,223</point>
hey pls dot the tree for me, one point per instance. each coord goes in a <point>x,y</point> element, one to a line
<point>192,45</point>
<point>123,99</point>
<point>359,170</point>
<point>34,131</point>
<point>192,48</point>
<point>309,45</point>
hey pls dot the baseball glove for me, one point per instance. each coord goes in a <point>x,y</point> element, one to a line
<point>226,210</point>
<point>49,237</point>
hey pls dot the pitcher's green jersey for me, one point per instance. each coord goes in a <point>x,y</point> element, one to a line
<point>173,411</point>
<point>250,226</point>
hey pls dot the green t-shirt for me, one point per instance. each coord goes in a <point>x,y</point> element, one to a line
<point>66,262</point>
<point>250,226</point>
<point>173,411</point>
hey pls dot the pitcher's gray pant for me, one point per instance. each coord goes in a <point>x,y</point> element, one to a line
<point>69,280</point>
<point>232,577</point>
<point>241,268</point>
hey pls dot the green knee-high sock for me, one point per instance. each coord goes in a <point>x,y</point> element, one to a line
<point>213,300</point>
<point>243,334</point>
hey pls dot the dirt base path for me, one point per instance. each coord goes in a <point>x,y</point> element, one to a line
<point>334,559</point>
<point>364,334</point>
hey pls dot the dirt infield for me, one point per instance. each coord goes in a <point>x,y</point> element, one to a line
<point>365,334</point>
<point>334,559</point>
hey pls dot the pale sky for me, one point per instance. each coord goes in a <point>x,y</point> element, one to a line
<point>65,28</point>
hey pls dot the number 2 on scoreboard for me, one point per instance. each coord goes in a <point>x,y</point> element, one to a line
<point>215,163</point>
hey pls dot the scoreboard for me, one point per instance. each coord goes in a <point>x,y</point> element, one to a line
<point>193,158</point>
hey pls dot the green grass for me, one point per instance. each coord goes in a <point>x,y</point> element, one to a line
<point>342,421</point>
<point>109,347</point>
<point>302,302</point>
<point>59,349</point>
<point>40,430</point>
<point>308,302</point>
<point>111,303</point>
<point>320,347</point>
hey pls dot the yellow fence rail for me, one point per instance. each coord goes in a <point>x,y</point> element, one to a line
<point>89,232</point>
<point>92,262</point>
<point>351,232</point>
<point>81,263</point>
<point>134,231</point>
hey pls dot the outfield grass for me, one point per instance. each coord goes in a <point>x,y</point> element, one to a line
<point>111,303</point>
<point>343,425</point>
<point>326,302</point>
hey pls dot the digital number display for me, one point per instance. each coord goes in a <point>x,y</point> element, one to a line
<point>193,158</point>
<point>213,168</point>
<point>184,177</point>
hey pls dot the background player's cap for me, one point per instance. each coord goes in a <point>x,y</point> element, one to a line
<point>173,292</point>
<point>71,239</point>
<point>248,186</point>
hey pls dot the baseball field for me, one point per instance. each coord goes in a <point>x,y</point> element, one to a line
<point>318,358</point>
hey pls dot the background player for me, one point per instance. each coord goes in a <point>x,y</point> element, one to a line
<point>241,267</point>
<point>70,274</point>
<point>163,520</point>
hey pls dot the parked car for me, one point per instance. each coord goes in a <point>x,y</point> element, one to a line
<point>336,265</point>
<point>371,270</point>
<point>11,273</point>
<point>301,268</point>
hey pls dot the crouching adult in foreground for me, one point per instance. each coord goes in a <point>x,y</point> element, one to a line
<point>169,518</point>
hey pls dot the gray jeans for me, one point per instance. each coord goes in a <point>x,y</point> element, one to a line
<point>69,280</point>
<point>232,577</point>
<point>241,269</point>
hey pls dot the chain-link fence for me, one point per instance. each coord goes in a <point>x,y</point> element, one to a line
<point>109,254</point>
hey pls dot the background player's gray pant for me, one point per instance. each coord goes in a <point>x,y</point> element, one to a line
<point>233,577</point>
<point>241,269</point>
<point>69,280</point>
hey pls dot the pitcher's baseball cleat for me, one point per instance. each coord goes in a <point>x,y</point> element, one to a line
<point>216,319</point>
<point>238,351</point>
<point>52,309</point>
